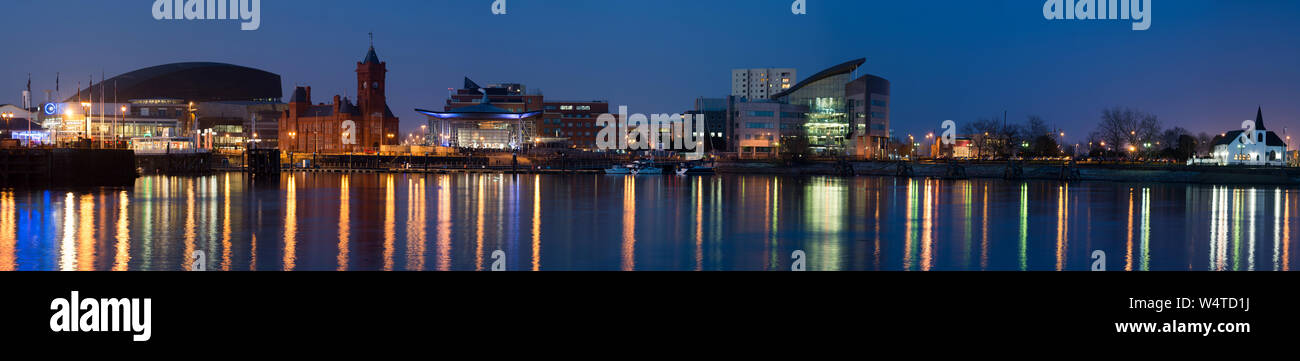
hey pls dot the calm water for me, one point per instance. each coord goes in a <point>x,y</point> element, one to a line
<point>598,222</point>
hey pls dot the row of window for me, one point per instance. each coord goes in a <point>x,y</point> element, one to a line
<point>566,107</point>
<point>567,125</point>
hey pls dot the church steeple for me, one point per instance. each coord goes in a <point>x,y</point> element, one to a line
<point>1259,119</point>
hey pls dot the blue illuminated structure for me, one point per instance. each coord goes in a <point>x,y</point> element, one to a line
<point>481,126</point>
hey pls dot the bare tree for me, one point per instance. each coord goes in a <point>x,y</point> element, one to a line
<point>1127,127</point>
<point>1170,137</point>
<point>1036,126</point>
<point>987,135</point>
<point>1204,144</point>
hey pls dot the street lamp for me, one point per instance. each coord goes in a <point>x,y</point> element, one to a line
<point>86,122</point>
<point>122,114</point>
<point>8,125</point>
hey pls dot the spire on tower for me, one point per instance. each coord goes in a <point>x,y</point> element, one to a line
<point>371,56</point>
<point>1259,119</point>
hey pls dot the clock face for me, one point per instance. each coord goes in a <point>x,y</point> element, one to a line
<point>50,109</point>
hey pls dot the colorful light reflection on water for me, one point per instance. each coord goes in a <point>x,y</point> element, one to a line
<point>598,222</point>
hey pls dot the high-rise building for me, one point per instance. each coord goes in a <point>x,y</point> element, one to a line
<point>761,83</point>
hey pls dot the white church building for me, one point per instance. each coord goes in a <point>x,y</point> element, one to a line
<point>1257,147</point>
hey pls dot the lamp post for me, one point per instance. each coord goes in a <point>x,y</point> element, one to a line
<point>86,121</point>
<point>930,138</point>
<point>116,137</point>
<point>1062,144</point>
<point>8,125</point>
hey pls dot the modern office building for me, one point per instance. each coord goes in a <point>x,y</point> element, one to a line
<point>867,105</point>
<point>570,123</point>
<point>762,125</point>
<point>761,83</point>
<point>342,127</point>
<point>715,113</point>
<point>847,114</point>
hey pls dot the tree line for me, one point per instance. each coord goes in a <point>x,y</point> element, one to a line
<point>1121,134</point>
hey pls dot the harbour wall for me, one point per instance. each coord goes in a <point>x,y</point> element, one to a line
<point>23,167</point>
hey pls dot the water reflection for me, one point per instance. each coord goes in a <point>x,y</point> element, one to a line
<point>8,231</point>
<point>444,223</point>
<point>536,223</point>
<point>290,224</point>
<point>390,220</point>
<point>345,226</point>
<point>122,258</point>
<point>415,224</point>
<point>1024,226</point>
<point>629,223</point>
<point>369,222</point>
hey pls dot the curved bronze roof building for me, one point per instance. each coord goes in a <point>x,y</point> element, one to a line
<point>842,69</point>
<point>196,82</point>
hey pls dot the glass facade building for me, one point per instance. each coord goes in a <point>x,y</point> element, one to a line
<point>846,115</point>
<point>827,125</point>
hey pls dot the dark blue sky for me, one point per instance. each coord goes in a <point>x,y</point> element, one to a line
<point>1204,64</point>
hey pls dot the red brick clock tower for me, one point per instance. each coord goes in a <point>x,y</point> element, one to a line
<point>378,126</point>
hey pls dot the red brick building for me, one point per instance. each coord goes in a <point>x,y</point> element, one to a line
<point>320,128</point>
<point>572,122</point>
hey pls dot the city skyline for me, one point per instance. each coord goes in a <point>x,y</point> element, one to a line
<point>973,62</point>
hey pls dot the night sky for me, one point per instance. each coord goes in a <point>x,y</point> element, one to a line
<point>1204,65</point>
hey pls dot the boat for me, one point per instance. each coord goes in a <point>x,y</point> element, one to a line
<point>647,170</point>
<point>695,169</point>
<point>637,167</point>
<point>619,170</point>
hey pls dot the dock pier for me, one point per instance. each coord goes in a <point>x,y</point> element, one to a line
<point>66,167</point>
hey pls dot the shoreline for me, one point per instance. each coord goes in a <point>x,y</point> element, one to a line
<point>1033,171</point>
<point>1041,171</point>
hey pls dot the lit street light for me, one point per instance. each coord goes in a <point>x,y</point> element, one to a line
<point>86,122</point>
<point>8,125</point>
